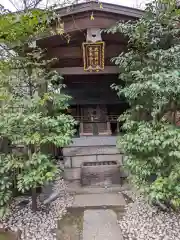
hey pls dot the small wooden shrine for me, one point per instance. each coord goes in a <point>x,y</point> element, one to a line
<point>84,55</point>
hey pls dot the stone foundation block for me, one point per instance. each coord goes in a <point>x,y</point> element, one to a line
<point>72,174</point>
<point>67,162</point>
<point>113,157</point>
<point>77,161</point>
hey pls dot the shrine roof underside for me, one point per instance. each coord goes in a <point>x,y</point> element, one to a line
<point>77,19</point>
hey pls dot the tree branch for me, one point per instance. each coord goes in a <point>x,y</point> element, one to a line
<point>13,5</point>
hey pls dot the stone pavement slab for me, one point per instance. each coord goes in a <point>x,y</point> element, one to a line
<point>95,200</point>
<point>94,141</point>
<point>101,225</point>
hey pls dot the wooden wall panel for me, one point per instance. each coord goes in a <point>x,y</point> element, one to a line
<point>91,89</point>
<point>76,52</point>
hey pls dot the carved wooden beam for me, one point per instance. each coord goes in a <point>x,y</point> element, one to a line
<point>76,52</point>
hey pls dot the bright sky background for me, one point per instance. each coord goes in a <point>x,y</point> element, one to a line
<point>130,3</point>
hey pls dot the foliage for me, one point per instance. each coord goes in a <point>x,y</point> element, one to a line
<point>5,183</point>
<point>150,70</point>
<point>28,98</point>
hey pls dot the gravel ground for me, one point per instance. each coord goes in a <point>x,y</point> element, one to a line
<point>42,224</point>
<point>144,222</point>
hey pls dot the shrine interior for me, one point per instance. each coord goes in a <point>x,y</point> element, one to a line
<point>95,105</point>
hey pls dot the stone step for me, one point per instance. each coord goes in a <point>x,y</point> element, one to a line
<point>94,141</point>
<point>97,189</point>
<point>99,200</point>
<point>89,150</point>
<point>72,174</point>
<point>101,225</point>
<point>77,161</point>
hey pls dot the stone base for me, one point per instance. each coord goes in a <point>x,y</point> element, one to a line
<point>75,187</point>
<point>72,174</point>
<point>84,150</point>
<point>107,171</point>
<point>77,161</point>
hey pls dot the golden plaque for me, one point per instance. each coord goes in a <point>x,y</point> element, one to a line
<point>93,56</point>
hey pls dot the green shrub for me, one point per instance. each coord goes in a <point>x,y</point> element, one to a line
<point>149,80</point>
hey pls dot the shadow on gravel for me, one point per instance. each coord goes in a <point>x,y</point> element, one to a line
<point>127,198</point>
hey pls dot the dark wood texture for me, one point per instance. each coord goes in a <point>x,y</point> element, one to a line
<point>70,52</point>
<point>80,70</point>
<point>92,89</point>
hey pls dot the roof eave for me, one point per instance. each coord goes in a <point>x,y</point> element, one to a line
<point>94,6</point>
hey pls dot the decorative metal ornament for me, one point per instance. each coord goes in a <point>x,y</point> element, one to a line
<point>93,35</point>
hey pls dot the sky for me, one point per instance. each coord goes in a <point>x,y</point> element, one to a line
<point>130,3</point>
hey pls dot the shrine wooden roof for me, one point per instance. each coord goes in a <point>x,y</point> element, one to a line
<point>77,19</point>
<point>95,6</point>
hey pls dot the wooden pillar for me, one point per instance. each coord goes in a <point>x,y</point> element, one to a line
<point>109,128</point>
<point>118,127</point>
<point>81,118</point>
<point>81,129</point>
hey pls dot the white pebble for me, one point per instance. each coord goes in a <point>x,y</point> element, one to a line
<point>39,225</point>
<point>141,221</point>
